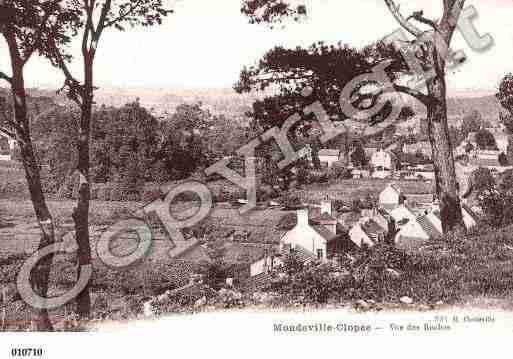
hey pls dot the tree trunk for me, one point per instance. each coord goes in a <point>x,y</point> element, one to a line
<point>81,211</point>
<point>438,131</point>
<point>41,273</point>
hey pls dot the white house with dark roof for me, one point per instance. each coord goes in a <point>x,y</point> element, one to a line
<point>367,233</point>
<point>416,232</point>
<point>309,238</point>
<point>384,163</point>
<point>391,197</point>
<point>312,236</point>
<point>402,214</point>
<point>423,147</point>
<point>328,157</point>
<point>428,226</point>
<point>469,217</point>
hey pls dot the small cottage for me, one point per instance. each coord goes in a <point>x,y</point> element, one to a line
<point>391,197</point>
<point>328,157</point>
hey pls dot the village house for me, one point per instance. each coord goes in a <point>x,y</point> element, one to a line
<point>7,145</point>
<point>423,147</point>
<point>391,197</point>
<point>316,235</point>
<point>368,232</point>
<point>329,156</point>
<point>384,164</point>
<point>428,225</point>
<point>416,232</point>
<point>312,236</point>
<point>485,158</point>
<point>402,214</point>
<point>370,150</point>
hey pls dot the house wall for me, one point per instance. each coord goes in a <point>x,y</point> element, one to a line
<point>383,159</point>
<point>427,175</point>
<point>402,212</point>
<point>468,219</point>
<point>376,217</point>
<point>328,160</point>
<point>263,265</point>
<point>502,144</point>
<point>359,237</point>
<point>381,174</point>
<point>306,237</point>
<point>412,230</point>
<point>389,196</point>
<point>437,223</point>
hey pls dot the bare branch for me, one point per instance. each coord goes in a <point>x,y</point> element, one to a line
<point>4,76</point>
<point>101,22</point>
<point>75,90</point>
<point>414,93</point>
<point>394,9</point>
<point>18,128</point>
<point>419,16</point>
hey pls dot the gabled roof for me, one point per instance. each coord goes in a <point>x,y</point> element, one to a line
<point>371,228</point>
<point>395,187</point>
<point>251,252</point>
<point>324,217</point>
<point>485,162</point>
<point>470,211</point>
<point>324,232</point>
<point>390,153</point>
<point>428,227</point>
<point>329,152</point>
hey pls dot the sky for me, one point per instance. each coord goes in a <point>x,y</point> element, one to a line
<point>206,43</point>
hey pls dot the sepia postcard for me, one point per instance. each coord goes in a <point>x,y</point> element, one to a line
<point>256,178</point>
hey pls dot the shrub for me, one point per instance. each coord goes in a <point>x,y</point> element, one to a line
<point>483,179</point>
<point>339,171</point>
<point>497,206</point>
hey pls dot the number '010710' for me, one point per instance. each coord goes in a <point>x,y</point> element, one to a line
<point>26,352</point>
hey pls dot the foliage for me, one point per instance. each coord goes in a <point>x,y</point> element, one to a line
<point>485,140</point>
<point>472,122</point>
<point>497,206</point>
<point>506,181</point>
<point>215,270</point>
<point>292,263</point>
<point>505,97</point>
<point>339,170</point>
<point>291,201</point>
<point>184,148</point>
<point>311,285</point>
<point>482,179</point>
<point>503,159</point>
<point>323,69</point>
<point>358,156</point>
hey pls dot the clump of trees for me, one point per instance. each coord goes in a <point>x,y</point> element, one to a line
<point>505,97</point>
<point>129,146</point>
<point>495,197</point>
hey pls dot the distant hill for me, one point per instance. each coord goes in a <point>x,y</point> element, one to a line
<point>227,101</point>
<point>458,107</point>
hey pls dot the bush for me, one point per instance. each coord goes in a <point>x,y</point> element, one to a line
<point>497,206</point>
<point>483,179</point>
<point>339,171</point>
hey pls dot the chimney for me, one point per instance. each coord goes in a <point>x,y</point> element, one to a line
<point>326,207</point>
<point>302,217</point>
